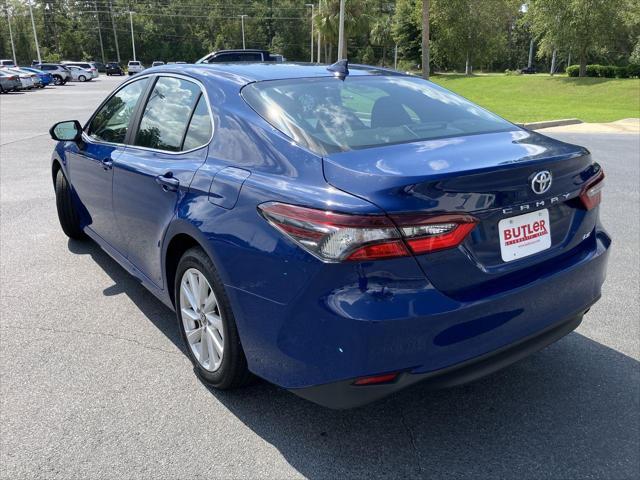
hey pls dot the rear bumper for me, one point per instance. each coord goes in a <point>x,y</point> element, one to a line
<point>344,394</point>
<point>381,319</point>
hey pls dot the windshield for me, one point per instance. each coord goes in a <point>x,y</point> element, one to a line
<point>328,115</point>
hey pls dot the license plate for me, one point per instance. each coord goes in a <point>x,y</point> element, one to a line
<point>524,235</point>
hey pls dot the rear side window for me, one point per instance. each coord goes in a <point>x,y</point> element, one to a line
<point>328,115</point>
<point>200,128</point>
<point>111,122</point>
<point>167,114</point>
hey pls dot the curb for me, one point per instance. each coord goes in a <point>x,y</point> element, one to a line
<point>550,123</point>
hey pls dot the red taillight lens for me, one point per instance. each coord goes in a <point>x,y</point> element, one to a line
<point>336,237</point>
<point>591,194</point>
<point>430,234</point>
<point>376,379</point>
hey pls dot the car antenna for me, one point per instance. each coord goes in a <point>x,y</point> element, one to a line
<point>340,69</point>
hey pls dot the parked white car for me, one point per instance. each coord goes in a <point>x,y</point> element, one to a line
<point>90,67</point>
<point>7,63</point>
<point>79,74</point>
<point>134,67</point>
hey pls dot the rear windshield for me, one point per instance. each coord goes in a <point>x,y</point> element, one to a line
<point>134,63</point>
<point>328,115</point>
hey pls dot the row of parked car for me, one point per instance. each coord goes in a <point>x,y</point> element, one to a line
<point>39,75</point>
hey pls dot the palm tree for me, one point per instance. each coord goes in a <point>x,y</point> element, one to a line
<point>356,21</point>
<point>381,34</point>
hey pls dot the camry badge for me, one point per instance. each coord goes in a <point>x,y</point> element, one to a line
<point>541,182</point>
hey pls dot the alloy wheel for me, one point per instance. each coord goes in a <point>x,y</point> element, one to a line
<point>201,319</point>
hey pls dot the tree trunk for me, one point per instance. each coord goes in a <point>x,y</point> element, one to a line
<point>583,64</point>
<point>425,39</point>
<point>553,63</point>
<point>384,55</point>
<point>467,66</point>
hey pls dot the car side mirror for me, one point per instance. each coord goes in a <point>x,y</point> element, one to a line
<point>69,131</point>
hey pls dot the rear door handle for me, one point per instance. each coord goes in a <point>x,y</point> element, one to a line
<point>168,182</point>
<point>106,163</point>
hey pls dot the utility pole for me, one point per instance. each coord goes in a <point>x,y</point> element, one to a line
<point>553,62</point>
<point>35,34</point>
<point>530,63</point>
<point>312,37</point>
<point>115,34</point>
<point>95,4</point>
<point>341,52</point>
<point>244,47</point>
<point>13,46</point>
<point>133,41</point>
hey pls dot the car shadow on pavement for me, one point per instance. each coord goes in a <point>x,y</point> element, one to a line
<point>124,283</point>
<point>571,410</point>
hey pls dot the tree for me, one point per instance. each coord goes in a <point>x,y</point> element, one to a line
<point>406,30</point>
<point>582,25</point>
<point>381,34</point>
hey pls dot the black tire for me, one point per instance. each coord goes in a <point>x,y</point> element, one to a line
<point>233,371</point>
<point>82,78</point>
<point>67,214</point>
<point>57,80</point>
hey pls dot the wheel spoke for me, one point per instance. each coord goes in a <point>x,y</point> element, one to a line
<point>213,338</point>
<point>210,303</point>
<point>204,348</point>
<point>193,287</point>
<point>184,287</point>
<point>203,288</point>
<point>194,335</point>
<point>215,320</point>
<point>189,312</point>
<point>212,351</point>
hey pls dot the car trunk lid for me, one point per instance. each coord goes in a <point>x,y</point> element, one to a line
<point>487,176</point>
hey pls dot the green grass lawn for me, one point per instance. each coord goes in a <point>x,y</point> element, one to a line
<point>532,98</point>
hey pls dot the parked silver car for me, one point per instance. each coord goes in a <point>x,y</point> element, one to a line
<point>86,65</point>
<point>9,82</point>
<point>79,74</point>
<point>27,81</point>
<point>60,73</point>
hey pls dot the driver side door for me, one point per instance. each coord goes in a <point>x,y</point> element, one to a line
<point>90,163</point>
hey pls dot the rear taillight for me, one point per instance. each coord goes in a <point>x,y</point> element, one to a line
<point>591,194</point>
<point>425,234</point>
<point>336,237</point>
<point>376,379</point>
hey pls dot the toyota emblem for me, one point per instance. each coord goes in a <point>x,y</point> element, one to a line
<point>541,182</point>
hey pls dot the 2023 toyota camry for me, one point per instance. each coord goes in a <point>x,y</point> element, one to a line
<point>342,233</point>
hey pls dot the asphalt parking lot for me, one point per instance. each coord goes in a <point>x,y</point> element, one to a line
<point>94,383</point>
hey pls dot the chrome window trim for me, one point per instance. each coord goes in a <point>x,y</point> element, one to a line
<point>203,90</point>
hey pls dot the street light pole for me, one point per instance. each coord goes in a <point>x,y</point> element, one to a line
<point>13,47</point>
<point>341,53</point>
<point>35,34</point>
<point>133,41</point>
<point>312,38</point>
<point>242,22</point>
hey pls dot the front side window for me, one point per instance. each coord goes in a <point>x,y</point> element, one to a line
<point>111,122</point>
<point>167,114</point>
<point>328,115</point>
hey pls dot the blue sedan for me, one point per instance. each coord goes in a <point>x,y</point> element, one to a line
<point>45,77</point>
<point>343,232</point>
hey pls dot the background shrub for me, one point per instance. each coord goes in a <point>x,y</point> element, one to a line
<point>573,70</point>
<point>633,70</point>
<point>622,72</point>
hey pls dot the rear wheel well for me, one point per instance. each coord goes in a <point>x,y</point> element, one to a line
<point>178,245</point>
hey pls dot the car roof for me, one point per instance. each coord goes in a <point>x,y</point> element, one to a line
<point>248,72</point>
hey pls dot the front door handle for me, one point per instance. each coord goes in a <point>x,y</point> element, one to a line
<point>168,182</point>
<point>107,163</point>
